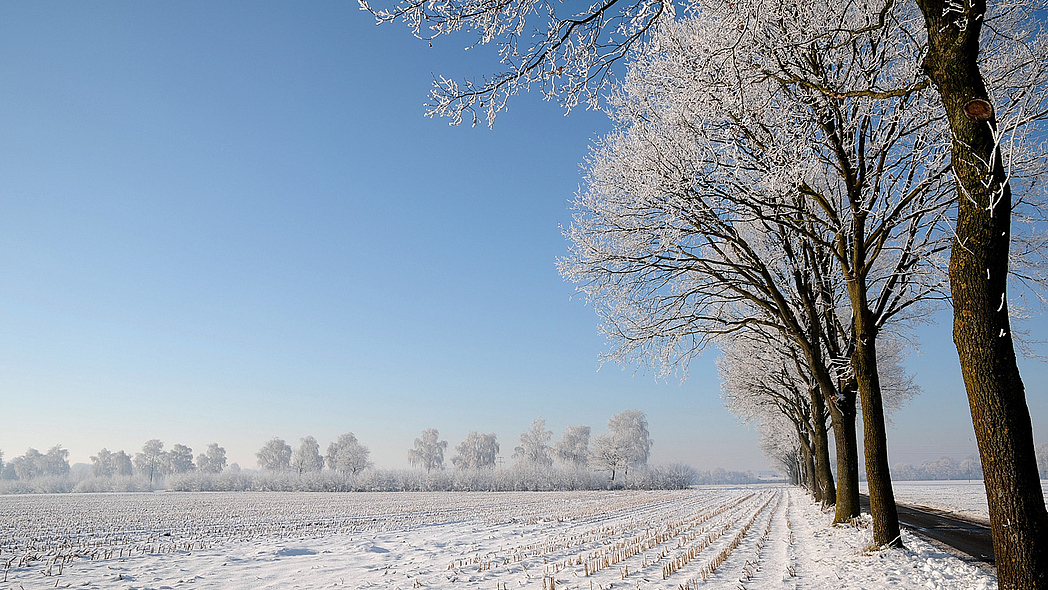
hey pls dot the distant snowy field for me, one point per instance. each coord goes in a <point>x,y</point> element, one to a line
<point>963,498</point>
<point>742,537</point>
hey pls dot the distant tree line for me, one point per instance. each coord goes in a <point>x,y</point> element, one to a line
<point>949,468</point>
<point>33,464</point>
<point>108,471</point>
<point>615,459</point>
<point>626,445</point>
<point>940,469</point>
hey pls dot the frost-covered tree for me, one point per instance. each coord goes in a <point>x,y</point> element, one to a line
<point>573,448</point>
<point>783,450</point>
<point>29,465</point>
<point>565,50</point>
<point>626,444</point>
<point>121,464</point>
<point>971,468</point>
<point>754,148</point>
<point>534,449</point>
<point>477,451</point>
<point>630,430</point>
<point>307,458</point>
<point>213,460</point>
<point>429,450</point>
<point>179,459</point>
<point>569,55</point>
<point>56,461</point>
<point>1042,459</point>
<point>764,380</point>
<point>608,454</point>
<point>275,455</point>
<point>102,463</point>
<point>347,455</point>
<point>150,461</point>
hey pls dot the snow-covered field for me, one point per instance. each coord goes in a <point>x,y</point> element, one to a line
<point>966,499</point>
<point>734,538</point>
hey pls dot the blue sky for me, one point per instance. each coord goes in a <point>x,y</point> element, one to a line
<point>223,222</point>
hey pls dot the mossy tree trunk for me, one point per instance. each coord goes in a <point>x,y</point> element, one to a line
<point>978,281</point>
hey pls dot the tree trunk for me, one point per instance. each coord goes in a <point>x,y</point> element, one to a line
<point>820,439</point>
<point>842,415</point>
<point>807,466</point>
<point>978,281</point>
<point>875,442</point>
<point>808,469</point>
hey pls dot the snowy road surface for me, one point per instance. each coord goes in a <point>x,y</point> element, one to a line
<point>968,537</point>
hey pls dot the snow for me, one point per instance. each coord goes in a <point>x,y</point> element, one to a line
<point>742,537</point>
<point>966,499</point>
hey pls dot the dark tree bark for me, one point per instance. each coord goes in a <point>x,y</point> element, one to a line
<point>808,464</point>
<point>854,253</point>
<point>817,340</point>
<point>875,445</point>
<point>978,280</point>
<point>867,381</point>
<point>842,415</point>
<point>822,474</point>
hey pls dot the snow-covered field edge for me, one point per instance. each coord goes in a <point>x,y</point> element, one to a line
<point>725,537</point>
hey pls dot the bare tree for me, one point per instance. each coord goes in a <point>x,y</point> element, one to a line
<point>626,444</point>
<point>629,428</point>
<point>764,380</point>
<point>28,465</point>
<point>35,464</point>
<point>122,464</point>
<point>56,461</point>
<point>429,450</point>
<point>477,451</point>
<point>571,54</point>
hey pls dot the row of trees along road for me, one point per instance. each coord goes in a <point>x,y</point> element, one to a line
<point>626,445</point>
<point>781,178</point>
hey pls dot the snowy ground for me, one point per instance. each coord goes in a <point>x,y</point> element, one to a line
<point>737,538</point>
<point>962,498</point>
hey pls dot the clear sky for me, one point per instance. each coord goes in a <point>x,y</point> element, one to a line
<point>224,222</point>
